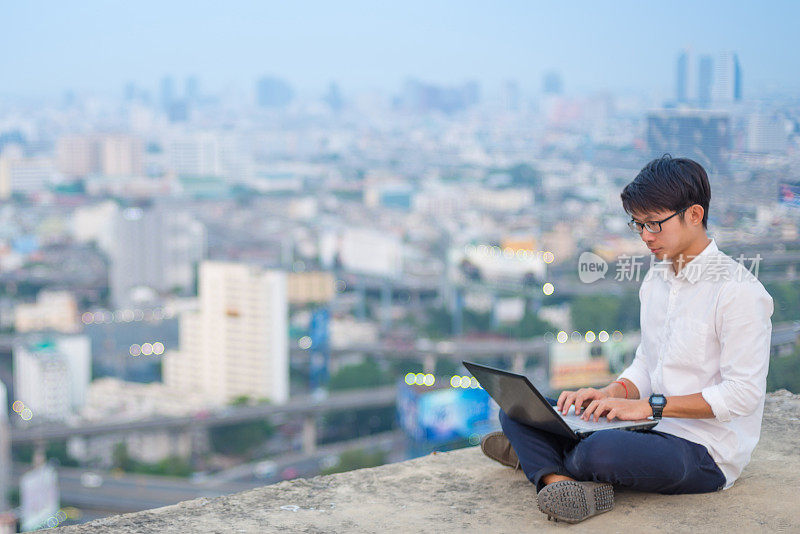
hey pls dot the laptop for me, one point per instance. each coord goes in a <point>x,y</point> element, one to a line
<point>522,402</point>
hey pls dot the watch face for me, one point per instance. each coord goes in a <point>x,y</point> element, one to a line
<point>658,400</point>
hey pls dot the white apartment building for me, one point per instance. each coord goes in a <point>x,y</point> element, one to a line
<point>22,174</point>
<point>53,310</point>
<point>114,155</point>
<point>155,248</point>
<point>236,343</point>
<point>51,376</point>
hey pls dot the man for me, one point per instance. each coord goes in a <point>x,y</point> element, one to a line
<point>700,368</point>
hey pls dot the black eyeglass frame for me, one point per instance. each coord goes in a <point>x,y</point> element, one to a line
<point>639,227</point>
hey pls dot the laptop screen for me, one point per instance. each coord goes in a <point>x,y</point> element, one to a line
<point>519,399</point>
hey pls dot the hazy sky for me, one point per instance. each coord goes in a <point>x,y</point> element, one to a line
<point>49,46</point>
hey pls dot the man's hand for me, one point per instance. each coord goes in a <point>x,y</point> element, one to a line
<point>622,409</point>
<point>579,398</point>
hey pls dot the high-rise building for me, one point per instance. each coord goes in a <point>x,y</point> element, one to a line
<point>198,154</point>
<point>334,97</point>
<point>114,155</point>
<point>24,174</point>
<point>552,83</point>
<point>273,93</point>
<point>511,96</point>
<point>236,343</point>
<point>705,80</point>
<point>192,89</point>
<point>167,94</point>
<point>154,250</point>
<point>121,155</point>
<point>53,310</point>
<point>78,155</point>
<point>51,375</point>
<point>766,133</point>
<point>683,77</point>
<point>727,79</point>
<point>704,136</point>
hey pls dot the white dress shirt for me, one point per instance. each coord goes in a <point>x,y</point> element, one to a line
<point>707,330</point>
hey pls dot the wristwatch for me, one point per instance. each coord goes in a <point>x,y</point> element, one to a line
<point>657,403</point>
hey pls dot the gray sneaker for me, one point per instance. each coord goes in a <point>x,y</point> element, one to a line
<point>573,501</point>
<point>496,446</point>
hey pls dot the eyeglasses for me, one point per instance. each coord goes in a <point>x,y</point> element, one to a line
<point>653,227</point>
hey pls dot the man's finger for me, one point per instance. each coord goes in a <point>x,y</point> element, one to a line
<point>601,409</point>
<point>589,409</point>
<point>568,400</point>
<point>612,414</point>
<point>561,398</point>
<point>582,396</point>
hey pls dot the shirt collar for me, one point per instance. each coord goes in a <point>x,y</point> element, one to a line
<point>693,269</point>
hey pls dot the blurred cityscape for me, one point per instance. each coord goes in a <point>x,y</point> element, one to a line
<point>202,293</point>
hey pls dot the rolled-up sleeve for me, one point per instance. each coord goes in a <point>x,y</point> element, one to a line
<point>744,331</point>
<point>638,374</point>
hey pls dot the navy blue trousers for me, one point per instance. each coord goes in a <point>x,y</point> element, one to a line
<point>645,461</point>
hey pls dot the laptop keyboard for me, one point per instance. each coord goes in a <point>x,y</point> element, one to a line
<point>576,423</point>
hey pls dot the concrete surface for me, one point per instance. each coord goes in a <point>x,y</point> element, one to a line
<point>466,492</point>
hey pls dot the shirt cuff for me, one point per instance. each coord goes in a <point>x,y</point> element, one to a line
<point>640,379</point>
<point>713,397</point>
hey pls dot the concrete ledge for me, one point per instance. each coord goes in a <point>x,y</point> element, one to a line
<point>465,491</point>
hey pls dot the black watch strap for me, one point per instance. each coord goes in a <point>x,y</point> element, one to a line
<point>657,403</point>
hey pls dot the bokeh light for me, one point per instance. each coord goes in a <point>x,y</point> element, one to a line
<point>589,337</point>
<point>602,336</point>
<point>548,257</point>
<point>562,337</point>
<point>616,336</point>
<point>18,406</point>
<point>548,288</point>
<point>304,342</point>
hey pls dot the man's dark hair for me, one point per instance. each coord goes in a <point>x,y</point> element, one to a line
<point>668,184</point>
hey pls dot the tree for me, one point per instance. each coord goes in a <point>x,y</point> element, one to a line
<point>786,299</point>
<point>362,375</point>
<point>239,438</point>
<point>595,312</point>
<point>356,459</point>
<point>784,372</point>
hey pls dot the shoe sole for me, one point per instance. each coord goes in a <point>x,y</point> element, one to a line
<point>573,501</point>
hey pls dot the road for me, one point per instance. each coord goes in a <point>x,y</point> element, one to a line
<point>299,406</point>
<point>125,492</point>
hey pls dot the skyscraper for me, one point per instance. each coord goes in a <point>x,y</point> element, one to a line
<point>705,80</point>
<point>154,249</point>
<point>552,83</point>
<point>236,343</point>
<point>701,135</point>
<point>682,76</point>
<point>192,90</point>
<point>273,93</point>
<point>121,155</point>
<point>727,79</point>
<point>167,93</point>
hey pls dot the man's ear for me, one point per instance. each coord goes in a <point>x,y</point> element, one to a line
<point>695,214</point>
